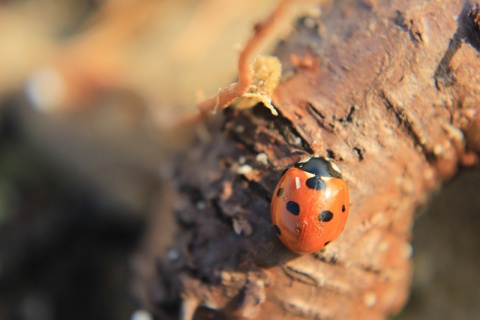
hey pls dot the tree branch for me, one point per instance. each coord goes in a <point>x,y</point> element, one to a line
<point>374,105</point>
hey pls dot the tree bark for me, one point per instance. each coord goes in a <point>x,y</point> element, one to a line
<point>389,90</point>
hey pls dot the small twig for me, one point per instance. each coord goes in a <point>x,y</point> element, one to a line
<point>245,73</point>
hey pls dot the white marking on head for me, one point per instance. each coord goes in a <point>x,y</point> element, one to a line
<point>306,159</point>
<point>336,168</point>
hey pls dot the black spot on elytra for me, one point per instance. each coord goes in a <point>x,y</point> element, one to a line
<point>293,208</point>
<point>343,208</point>
<point>280,192</point>
<point>326,243</point>
<point>325,216</point>
<point>277,229</point>
<point>316,183</point>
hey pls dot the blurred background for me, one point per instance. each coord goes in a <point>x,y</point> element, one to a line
<point>90,95</point>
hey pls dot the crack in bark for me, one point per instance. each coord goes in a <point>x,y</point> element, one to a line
<point>349,117</point>
<point>281,124</point>
<point>299,276</point>
<point>467,32</point>
<point>359,153</point>
<point>319,117</point>
<point>443,74</point>
<point>304,312</point>
<point>412,26</point>
<point>410,125</point>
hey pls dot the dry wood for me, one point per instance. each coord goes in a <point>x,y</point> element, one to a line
<point>389,91</point>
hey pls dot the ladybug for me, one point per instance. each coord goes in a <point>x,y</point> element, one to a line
<point>310,205</point>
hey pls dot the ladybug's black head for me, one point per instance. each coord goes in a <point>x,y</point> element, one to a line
<point>319,167</point>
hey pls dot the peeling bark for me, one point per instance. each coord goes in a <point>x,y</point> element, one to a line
<point>390,91</point>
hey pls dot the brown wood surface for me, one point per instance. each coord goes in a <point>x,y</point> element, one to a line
<point>390,91</point>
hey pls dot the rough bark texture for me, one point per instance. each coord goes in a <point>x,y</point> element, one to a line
<point>389,91</point>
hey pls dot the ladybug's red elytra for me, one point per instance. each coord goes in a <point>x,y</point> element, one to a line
<point>310,205</point>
